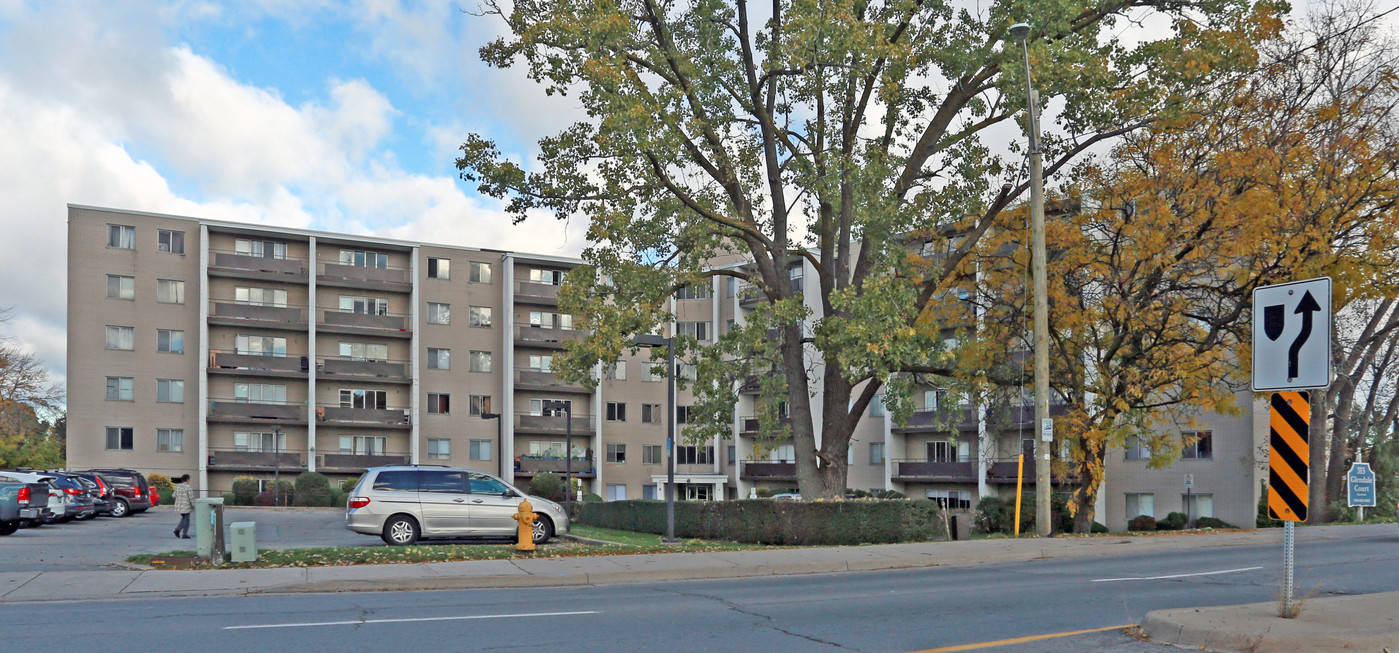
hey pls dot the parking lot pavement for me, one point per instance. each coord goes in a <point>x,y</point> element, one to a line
<point>102,542</point>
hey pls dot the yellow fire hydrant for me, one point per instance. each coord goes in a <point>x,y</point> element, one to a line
<point>526,518</point>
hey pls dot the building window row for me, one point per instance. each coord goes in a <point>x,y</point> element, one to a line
<point>123,438</point>
<point>120,236</point>
<point>167,291</point>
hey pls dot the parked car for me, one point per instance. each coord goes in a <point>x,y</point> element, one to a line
<point>83,507</point>
<point>405,503</point>
<point>101,489</point>
<point>129,492</point>
<point>21,503</point>
<point>62,506</point>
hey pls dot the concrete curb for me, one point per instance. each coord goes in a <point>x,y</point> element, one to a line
<point>1367,622</point>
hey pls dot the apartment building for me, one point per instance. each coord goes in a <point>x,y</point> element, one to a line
<point>225,349</point>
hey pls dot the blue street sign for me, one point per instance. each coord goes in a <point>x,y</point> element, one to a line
<point>1360,486</point>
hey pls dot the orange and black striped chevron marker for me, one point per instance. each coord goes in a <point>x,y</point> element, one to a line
<point>1289,423</point>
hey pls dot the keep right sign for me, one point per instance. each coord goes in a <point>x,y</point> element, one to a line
<point>1292,336</point>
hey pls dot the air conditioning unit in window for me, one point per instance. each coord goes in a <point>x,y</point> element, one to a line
<point>162,247</point>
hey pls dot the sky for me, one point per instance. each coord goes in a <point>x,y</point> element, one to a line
<point>338,116</point>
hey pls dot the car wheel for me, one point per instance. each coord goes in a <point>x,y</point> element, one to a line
<point>8,527</point>
<point>543,529</point>
<point>400,530</point>
<point>121,508</point>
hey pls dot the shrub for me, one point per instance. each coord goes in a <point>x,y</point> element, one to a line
<point>1211,522</point>
<point>244,487</point>
<point>229,499</point>
<point>778,522</point>
<point>339,498</point>
<point>547,485</point>
<point>1099,528</point>
<point>1141,523</point>
<point>591,498</point>
<point>1173,522</point>
<point>1263,520</point>
<point>263,499</point>
<point>312,489</point>
<point>887,494</point>
<point>162,484</point>
<point>349,484</point>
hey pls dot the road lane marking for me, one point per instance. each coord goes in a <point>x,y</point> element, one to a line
<point>357,622</point>
<point>1019,640</point>
<point>1201,573</point>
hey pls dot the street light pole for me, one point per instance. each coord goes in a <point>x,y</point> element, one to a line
<point>499,442</point>
<point>648,340</point>
<point>276,464</point>
<point>1021,32</point>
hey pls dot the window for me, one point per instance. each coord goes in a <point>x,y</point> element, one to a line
<point>1196,506</point>
<point>170,391</point>
<point>480,361</point>
<point>951,499</point>
<point>364,399</point>
<point>616,492</point>
<point>439,268</point>
<point>259,441</point>
<point>481,449</point>
<point>682,414</point>
<point>700,330</point>
<point>733,454</point>
<point>364,259</point>
<point>168,291</point>
<point>275,297</point>
<point>940,452</point>
<point>616,453</point>
<point>478,405</point>
<point>364,351</point>
<point>551,407</point>
<point>121,337</point>
<point>1141,504</point>
<point>482,484</point>
<point>648,492</point>
<point>120,437</point>
<point>170,440</point>
<point>364,305</point>
<point>1197,444</point>
<point>550,277</point>
<point>1137,449</point>
<point>260,248</point>
<point>439,359</point>
<point>876,453</point>
<point>480,316</point>
<point>121,236</point>
<point>443,482</point>
<point>363,445</point>
<point>783,453</point>
<point>439,313</point>
<point>168,341</point>
<point>439,403</point>
<point>121,388</point>
<point>121,287</point>
<point>479,272</point>
<point>651,413</point>
<point>932,399</point>
<point>616,411</point>
<point>693,292</point>
<point>794,276</point>
<point>172,242</point>
<point>404,481</point>
<point>651,454</point>
<point>877,406</point>
<point>260,393</point>
<point>850,454</point>
<point>439,448</point>
<point>694,455</point>
<point>617,372</point>
<point>650,375</point>
<point>260,345</point>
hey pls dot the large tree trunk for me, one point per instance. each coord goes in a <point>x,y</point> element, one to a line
<point>809,480</point>
<point>1085,496</point>
<point>1316,459</point>
<point>1340,440</point>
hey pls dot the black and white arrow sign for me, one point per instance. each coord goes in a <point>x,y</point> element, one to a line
<point>1292,336</point>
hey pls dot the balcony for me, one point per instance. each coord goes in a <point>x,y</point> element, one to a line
<point>233,410</point>
<point>531,292</point>
<point>547,337</point>
<point>751,296</point>
<point>334,273</point>
<point>934,471</point>
<point>231,313</point>
<point>357,463</point>
<point>540,380</point>
<point>227,263</point>
<point>767,470</point>
<point>552,424</point>
<point>393,325</point>
<point>232,362</point>
<point>932,421</point>
<point>528,466</point>
<point>379,418</point>
<point>1009,417</point>
<point>385,371</point>
<point>1005,472</point>
<point>749,425</point>
<point>242,460</point>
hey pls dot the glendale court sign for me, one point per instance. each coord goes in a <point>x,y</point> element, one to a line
<point>1292,336</point>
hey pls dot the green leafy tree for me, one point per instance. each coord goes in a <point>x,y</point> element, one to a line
<point>829,133</point>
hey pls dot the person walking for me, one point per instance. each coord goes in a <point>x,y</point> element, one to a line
<point>184,504</point>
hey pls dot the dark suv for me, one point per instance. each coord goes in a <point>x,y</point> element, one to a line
<point>127,490</point>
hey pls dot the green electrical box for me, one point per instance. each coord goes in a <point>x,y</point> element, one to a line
<point>242,541</point>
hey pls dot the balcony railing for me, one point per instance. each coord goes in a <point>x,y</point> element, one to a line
<point>540,380</point>
<point>231,459</point>
<point>550,337</point>
<point>536,293</point>
<point>390,323</point>
<point>229,261</point>
<point>232,360</point>
<point>934,470</point>
<point>362,369</point>
<point>749,425</point>
<point>581,466</point>
<point>1004,471</point>
<point>767,470</point>
<point>552,425</point>
<point>235,410</point>
<point>263,315</point>
<point>352,462</point>
<point>374,417</point>
<point>334,271</point>
<point>946,419</point>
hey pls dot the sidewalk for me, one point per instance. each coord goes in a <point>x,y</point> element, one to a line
<point>1368,622</point>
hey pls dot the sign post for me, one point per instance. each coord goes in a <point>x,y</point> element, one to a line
<point>1291,353</point>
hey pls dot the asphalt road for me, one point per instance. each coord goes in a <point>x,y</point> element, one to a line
<point>905,610</point>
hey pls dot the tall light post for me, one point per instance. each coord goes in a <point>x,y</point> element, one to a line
<point>1021,32</point>
<point>648,340</point>
<point>276,464</point>
<point>567,408</point>
<point>499,442</point>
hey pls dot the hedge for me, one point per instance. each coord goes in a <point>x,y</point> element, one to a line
<point>778,522</point>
